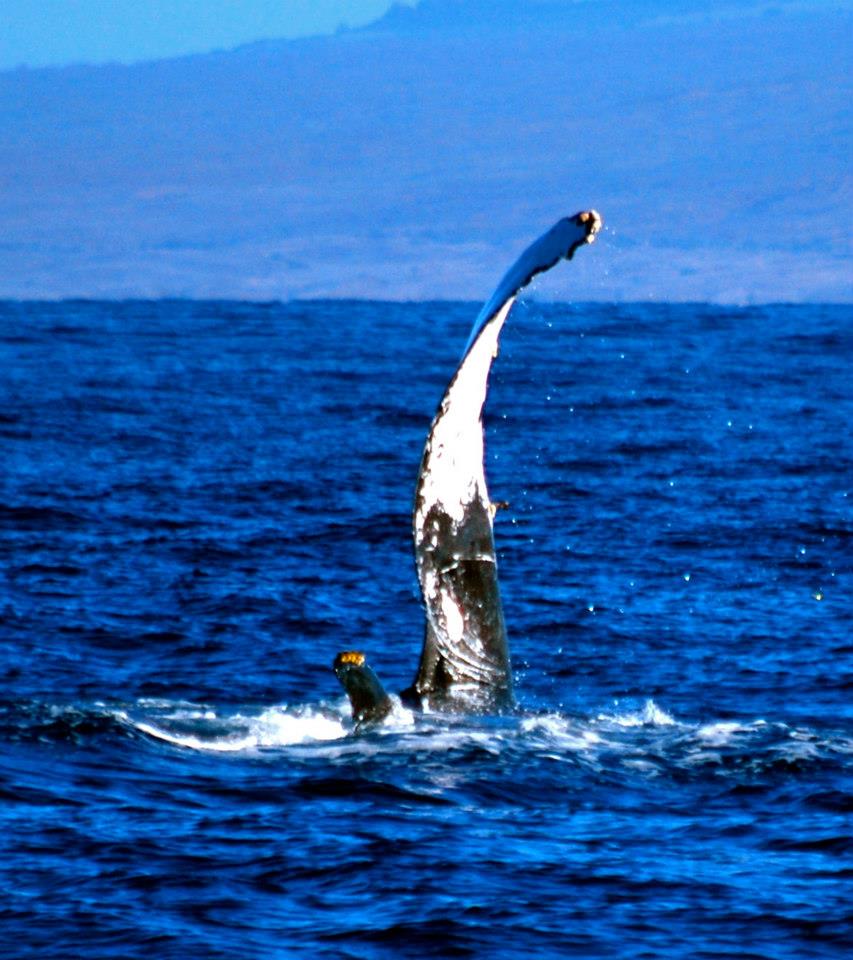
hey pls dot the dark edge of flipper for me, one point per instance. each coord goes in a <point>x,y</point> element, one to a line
<point>370,703</point>
<point>558,243</point>
<point>465,662</point>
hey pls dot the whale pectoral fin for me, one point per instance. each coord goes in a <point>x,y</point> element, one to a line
<point>465,660</point>
<point>370,703</point>
<point>429,670</point>
<point>465,665</point>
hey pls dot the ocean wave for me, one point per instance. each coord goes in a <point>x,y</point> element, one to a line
<point>202,728</point>
<point>648,739</point>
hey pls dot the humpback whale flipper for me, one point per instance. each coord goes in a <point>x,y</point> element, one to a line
<point>465,662</point>
<point>366,694</point>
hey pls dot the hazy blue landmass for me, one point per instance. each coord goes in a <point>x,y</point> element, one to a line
<point>414,158</point>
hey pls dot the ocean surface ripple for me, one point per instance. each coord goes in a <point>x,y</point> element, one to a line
<point>202,502</point>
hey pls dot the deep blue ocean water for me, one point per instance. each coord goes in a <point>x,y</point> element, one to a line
<point>201,503</point>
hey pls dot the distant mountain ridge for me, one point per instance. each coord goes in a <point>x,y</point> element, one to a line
<point>412,158</point>
<point>475,15</point>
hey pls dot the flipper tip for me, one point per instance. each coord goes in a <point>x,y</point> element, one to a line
<point>591,220</point>
<point>590,223</point>
<point>349,658</point>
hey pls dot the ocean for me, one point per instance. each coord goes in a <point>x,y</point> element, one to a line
<point>201,503</point>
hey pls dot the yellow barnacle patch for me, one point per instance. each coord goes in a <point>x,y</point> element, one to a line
<point>353,657</point>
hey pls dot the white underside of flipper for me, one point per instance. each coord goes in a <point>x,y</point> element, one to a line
<point>465,659</point>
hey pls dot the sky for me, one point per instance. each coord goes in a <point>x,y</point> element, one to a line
<point>39,33</point>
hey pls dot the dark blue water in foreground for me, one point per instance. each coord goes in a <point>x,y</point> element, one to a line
<point>201,503</point>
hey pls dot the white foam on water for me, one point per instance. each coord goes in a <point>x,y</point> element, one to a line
<point>801,750</point>
<point>651,715</point>
<point>277,727</point>
<point>400,718</point>
<point>636,739</point>
<point>196,743</point>
<point>646,767</point>
<point>201,728</point>
<point>561,731</point>
<point>719,734</point>
<point>702,758</point>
